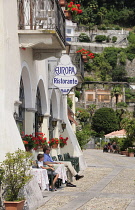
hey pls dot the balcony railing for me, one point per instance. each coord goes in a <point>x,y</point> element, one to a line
<point>41,14</point>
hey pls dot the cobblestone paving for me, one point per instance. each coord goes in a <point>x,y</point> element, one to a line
<point>108,184</point>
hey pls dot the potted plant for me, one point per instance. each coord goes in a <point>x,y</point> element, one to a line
<point>72,9</point>
<point>131,152</point>
<point>16,174</point>
<point>86,55</point>
<point>54,143</point>
<point>39,140</point>
<point>34,142</point>
<point>28,142</point>
<point>62,3</point>
<point>63,141</point>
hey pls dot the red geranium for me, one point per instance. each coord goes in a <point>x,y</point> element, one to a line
<point>63,141</point>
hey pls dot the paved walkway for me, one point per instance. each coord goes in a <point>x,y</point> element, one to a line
<point>108,184</point>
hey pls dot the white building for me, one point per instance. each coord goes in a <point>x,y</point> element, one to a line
<point>31,41</point>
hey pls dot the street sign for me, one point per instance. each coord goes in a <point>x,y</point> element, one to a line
<point>65,72</point>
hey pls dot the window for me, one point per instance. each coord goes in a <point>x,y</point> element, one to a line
<point>90,97</point>
<point>68,39</point>
<point>21,117</point>
<point>69,31</point>
<point>106,97</point>
<point>39,110</point>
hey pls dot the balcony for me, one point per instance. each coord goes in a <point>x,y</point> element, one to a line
<point>41,25</point>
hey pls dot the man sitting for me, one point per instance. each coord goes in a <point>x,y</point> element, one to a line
<point>48,160</point>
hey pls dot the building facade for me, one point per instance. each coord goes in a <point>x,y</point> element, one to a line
<point>32,39</point>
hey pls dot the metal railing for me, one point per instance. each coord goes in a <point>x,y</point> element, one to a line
<point>41,14</point>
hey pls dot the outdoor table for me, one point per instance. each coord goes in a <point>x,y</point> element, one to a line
<point>42,178</point>
<point>61,170</point>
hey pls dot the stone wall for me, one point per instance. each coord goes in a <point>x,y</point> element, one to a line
<point>130,68</point>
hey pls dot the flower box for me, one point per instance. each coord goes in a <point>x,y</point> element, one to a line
<point>62,3</point>
<point>68,14</point>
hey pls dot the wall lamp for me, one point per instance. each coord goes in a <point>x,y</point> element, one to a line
<point>53,124</point>
<point>63,126</point>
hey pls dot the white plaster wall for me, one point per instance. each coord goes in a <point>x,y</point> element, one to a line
<point>10,139</point>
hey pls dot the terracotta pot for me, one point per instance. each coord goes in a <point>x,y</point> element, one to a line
<point>68,14</point>
<point>54,146</point>
<point>10,205</point>
<point>85,59</point>
<point>62,3</point>
<point>131,154</point>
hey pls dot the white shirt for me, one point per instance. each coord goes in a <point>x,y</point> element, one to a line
<point>40,164</point>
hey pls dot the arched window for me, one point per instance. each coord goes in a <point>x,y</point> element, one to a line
<point>21,114</point>
<point>39,110</point>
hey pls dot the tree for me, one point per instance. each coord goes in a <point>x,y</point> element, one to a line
<point>104,121</point>
<point>116,92</point>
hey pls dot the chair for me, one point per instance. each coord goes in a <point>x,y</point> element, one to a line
<point>73,160</point>
<point>54,158</point>
<point>60,158</point>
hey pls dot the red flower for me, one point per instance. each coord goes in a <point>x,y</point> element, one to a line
<point>73,9</point>
<point>25,142</point>
<point>78,5</point>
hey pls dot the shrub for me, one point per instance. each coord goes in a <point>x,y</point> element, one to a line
<point>16,168</point>
<point>114,39</point>
<point>100,38</point>
<point>84,38</point>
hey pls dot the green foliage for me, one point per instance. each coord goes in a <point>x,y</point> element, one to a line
<point>128,124</point>
<point>111,54</point>
<point>104,121</point>
<point>1,175</point>
<point>123,143</point>
<point>122,57</point>
<point>114,39</point>
<point>69,102</point>
<point>88,79</point>
<point>100,38</point>
<point>129,94</point>
<point>121,104</point>
<point>16,173</point>
<point>77,94</point>
<point>84,38</point>
<point>83,136</point>
<point>131,38</point>
<point>118,73</point>
<point>131,150</point>
<point>107,12</point>
<point>101,66</point>
<point>82,115</point>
